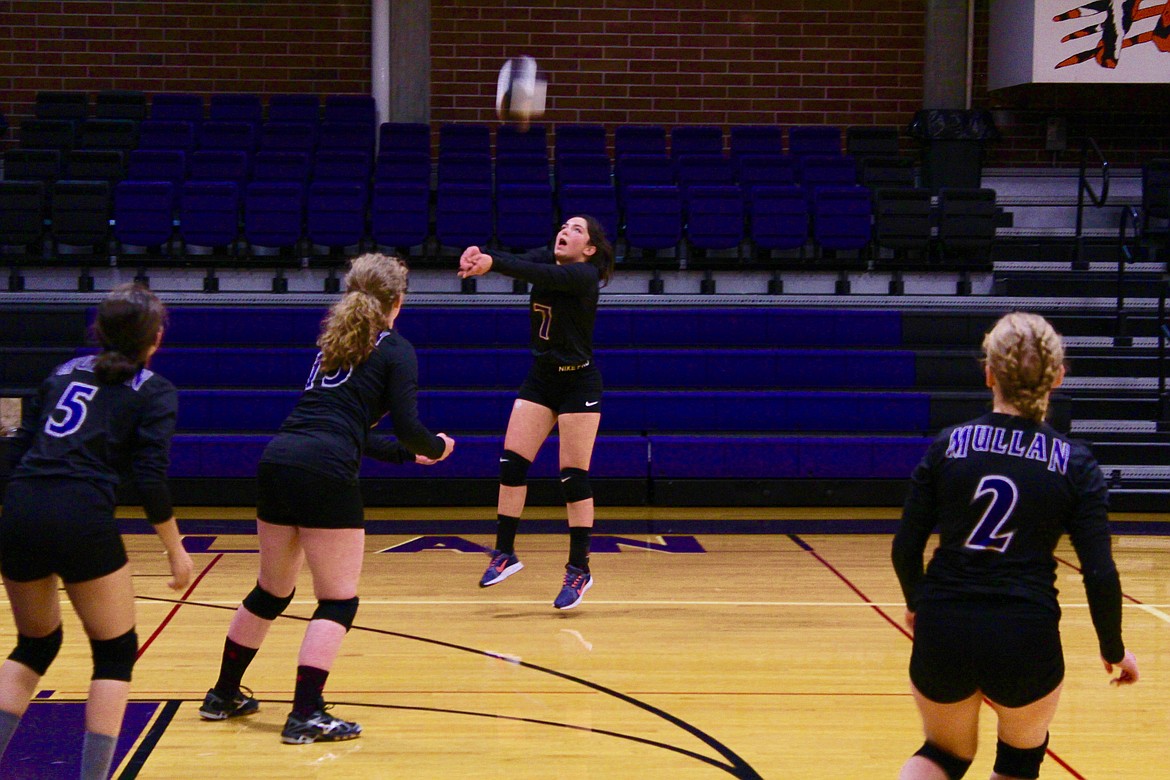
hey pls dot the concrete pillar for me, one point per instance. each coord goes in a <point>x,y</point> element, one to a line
<point>947,63</point>
<point>410,61</point>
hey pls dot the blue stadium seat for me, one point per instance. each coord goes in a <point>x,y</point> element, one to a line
<point>524,215</point>
<point>520,168</point>
<point>399,137</point>
<point>80,214</point>
<point>574,168</point>
<point>300,108</point>
<point>121,134</point>
<point>816,171</point>
<point>120,104</point>
<point>174,135</point>
<point>274,214</point>
<point>228,136</point>
<point>403,167</point>
<point>653,216</point>
<point>757,169</point>
<point>71,106</point>
<point>579,139</point>
<point>95,165</point>
<point>206,165</point>
<point>209,213</point>
<point>510,139</point>
<point>463,215</point>
<point>144,212</point>
<point>642,170</point>
<point>236,107</point>
<point>465,168</point>
<point>814,139</point>
<point>695,139</point>
<point>184,107</point>
<point>342,165</point>
<point>714,217</point>
<point>639,139</point>
<point>32,165</point>
<point>157,165</point>
<point>335,213</point>
<point>400,213</point>
<point>281,166</point>
<point>22,214</point>
<point>596,200</point>
<point>348,136</point>
<point>459,138</point>
<point>778,216</point>
<point>756,139</point>
<point>351,108</point>
<point>288,137</point>
<point>59,134</point>
<point>842,218</point>
<point>703,169</point>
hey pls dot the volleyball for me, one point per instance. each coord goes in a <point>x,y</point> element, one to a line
<point>520,90</point>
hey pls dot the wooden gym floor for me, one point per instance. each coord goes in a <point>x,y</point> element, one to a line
<point>777,655</point>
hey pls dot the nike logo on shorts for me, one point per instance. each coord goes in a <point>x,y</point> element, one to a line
<point>592,403</point>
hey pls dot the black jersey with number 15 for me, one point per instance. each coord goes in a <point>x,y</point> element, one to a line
<point>329,430</point>
<point>563,305</point>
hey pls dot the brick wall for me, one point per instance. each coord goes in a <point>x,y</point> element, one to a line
<point>268,47</point>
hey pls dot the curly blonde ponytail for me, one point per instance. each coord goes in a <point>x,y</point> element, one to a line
<point>1025,354</point>
<point>349,333</point>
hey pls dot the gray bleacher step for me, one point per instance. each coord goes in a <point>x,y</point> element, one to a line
<point>1114,426</point>
<point>1136,472</point>
<point>1106,342</point>
<point>1111,383</point>
<point>1099,266</point>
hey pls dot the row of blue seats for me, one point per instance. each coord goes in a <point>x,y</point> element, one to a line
<point>191,107</point>
<point>673,457</point>
<point>653,411</point>
<point>430,326</point>
<point>463,367</point>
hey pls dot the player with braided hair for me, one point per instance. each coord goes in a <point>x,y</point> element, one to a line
<point>1002,489</point>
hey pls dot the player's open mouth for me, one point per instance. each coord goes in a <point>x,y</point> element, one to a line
<point>561,242</point>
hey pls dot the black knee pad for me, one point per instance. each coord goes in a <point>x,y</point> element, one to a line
<point>954,766</point>
<point>264,605</point>
<point>575,485</point>
<point>113,659</point>
<point>514,469</point>
<point>37,653</point>
<point>1019,762</point>
<point>341,612</point>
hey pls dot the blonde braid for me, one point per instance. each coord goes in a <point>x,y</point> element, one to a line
<point>1025,355</point>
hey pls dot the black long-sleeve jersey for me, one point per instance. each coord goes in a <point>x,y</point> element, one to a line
<point>563,305</point>
<point>329,430</point>
<point>76,427</point>
<point>1002,490</point>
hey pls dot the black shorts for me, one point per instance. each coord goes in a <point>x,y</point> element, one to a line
<point>58,526</point>
<point>290,495</point>
<point>565,392</point>
<point>1008,649</point>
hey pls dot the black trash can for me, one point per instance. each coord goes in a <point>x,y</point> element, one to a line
<point>952,146</point>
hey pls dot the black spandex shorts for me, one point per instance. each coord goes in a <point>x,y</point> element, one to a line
<point>289,495</point>
<point>58,526</point>
<point>565,392</point>
<point>1008,649</point>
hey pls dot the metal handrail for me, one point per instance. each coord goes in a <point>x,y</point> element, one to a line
<point>1125,253</point>
<point>1098,199</point>
<point>1163,422</point>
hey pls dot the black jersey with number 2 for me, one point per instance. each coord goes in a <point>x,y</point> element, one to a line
<point>77,427</point>
<point>1002,490</point>
<point>563,306</point>
<point>329,430</point>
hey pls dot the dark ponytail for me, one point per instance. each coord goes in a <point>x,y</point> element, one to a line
<point>127,325</point>
<point>603,257</point>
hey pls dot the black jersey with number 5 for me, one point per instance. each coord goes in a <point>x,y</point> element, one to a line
<point>563,305</point>
<point>76,427</point>
<point>329,430</point>
<point>1002,490</point>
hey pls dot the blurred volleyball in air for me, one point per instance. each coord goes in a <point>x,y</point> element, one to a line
<point>521,90</point>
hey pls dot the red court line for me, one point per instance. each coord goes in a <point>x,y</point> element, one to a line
<point>1077,569</point>
<point>908,635</point>
<point>174,609</point>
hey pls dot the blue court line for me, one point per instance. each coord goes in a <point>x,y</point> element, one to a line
<point>146,747</point>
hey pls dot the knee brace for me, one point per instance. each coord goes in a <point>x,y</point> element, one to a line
<point>264,605</point>
<point>37,653</point>
<point>952,765</point>
<point>341,612</point>
<point>513,469</point>
<point>1019,762</point>
<point>575,485</point>
<point>113,659</point>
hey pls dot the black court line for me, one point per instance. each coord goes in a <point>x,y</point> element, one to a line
<point>809,548</point>
<point>737,767</point>
<point>146,747</point>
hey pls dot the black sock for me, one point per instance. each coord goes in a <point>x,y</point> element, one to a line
<point>579,547</point>
<point>310,684</point>
<point>506,533</point>
<point>232,666</point>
